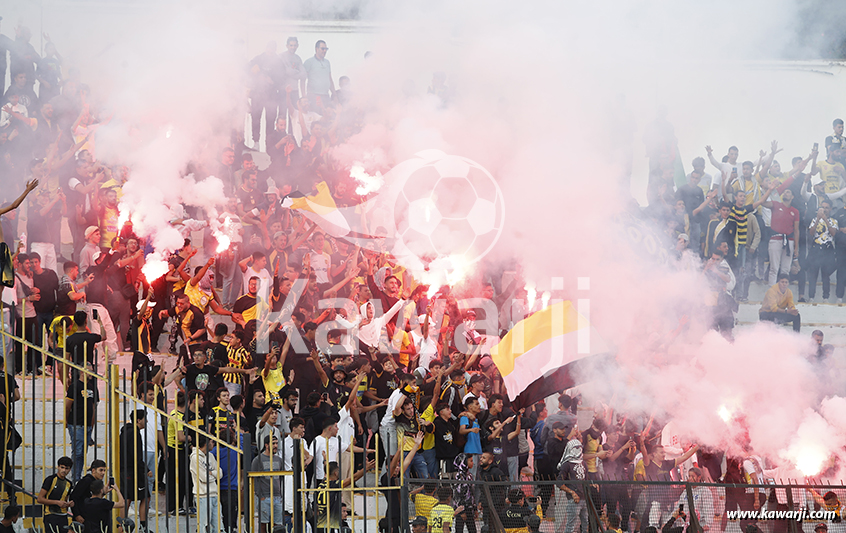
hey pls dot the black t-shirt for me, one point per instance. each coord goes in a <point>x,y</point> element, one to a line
<point>64,304</point>
<point>42,228</point>
<point>554,448</point>
<point>6,529</point>
<point>248,199</point>
<point>571,471</point>
<point>75,344</point>
<point>48,283</point>
<point>81,491</point>
<point>514,516</point>
<point>215,351</point>
<point>8,384</point>
<point>85,398</point>
<point>660,472</point>
<point>306,378</point>
<point>56,489</point>
<point>336,392</point>
<point>408,426</point>
<point>692,196</point>
<point>493,474</point>
<point>197,378</point>
<point>511,448</point>
<point>445,436</point>
<point>329,508</point>
<point>382,383</point>
<point>493,445</point>
<point>196,322</point>
<point>97,513</point>
<point>840,237</point>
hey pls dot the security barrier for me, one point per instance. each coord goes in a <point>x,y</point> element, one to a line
<point>667,506</point>
<point>210,474</point>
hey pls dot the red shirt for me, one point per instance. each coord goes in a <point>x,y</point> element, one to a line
<point>783,220</point>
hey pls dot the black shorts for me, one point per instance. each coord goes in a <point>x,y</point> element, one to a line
<point>55,523</point>
<point>132,493</point>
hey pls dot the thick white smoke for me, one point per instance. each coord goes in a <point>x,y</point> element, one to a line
<point>553,99</point>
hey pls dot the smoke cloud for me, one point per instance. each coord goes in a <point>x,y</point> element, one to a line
<point>553,99</point>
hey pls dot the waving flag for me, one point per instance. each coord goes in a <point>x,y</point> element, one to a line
<point>552,350</point>
<point>320,209</point>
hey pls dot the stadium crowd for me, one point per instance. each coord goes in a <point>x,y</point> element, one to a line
<point>394,365</point>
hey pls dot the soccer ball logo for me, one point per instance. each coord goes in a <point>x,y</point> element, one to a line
<point>448,206</point>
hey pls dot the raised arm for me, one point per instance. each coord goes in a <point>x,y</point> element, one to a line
<point>342,283</point>
<point>324,379</point>
<point>712,159</point>
<point>762,199</point>
<point>767,161</point>
<point>687,455</point>
<point>302,238</point>
<point>708,197</point>
<point>30,185</point>
<point>202,272</point>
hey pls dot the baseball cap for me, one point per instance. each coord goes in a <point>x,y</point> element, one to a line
<point>150,304</point>
<point>476,379</point>
<point>420,521</point>
<point>486,362</point>
<point>89,230</point>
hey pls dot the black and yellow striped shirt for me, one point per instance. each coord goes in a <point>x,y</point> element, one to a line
<point>238,358</point>
<point>740,217</point>
<point>219,419</point>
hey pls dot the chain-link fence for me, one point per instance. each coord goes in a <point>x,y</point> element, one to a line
<point>589,506</point>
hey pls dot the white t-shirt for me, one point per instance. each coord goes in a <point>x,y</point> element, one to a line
<point>149,434</point>
<point>393,400</point>
<point>287,451</point>
<point>483,403</point>
<point>265,282</point>
<point>426,347</point>
<point>753,467</point>
<point>320,263</point>
<point>346,429</point>
<point>332,454</point>
<point>6,118</point>
<point>718,176</point>
<point>309,118</point>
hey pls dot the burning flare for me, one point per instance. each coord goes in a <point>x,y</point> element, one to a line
<point>531,295</point>
<point>810,459</point>
<point>366,183</point>
<point>223,242</point>
<point>123,218</point>
<point>154,268</point>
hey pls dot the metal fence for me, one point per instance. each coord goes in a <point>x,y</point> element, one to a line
<point>43,427</point>
<point>595,506</point>
<point>39,426</point>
